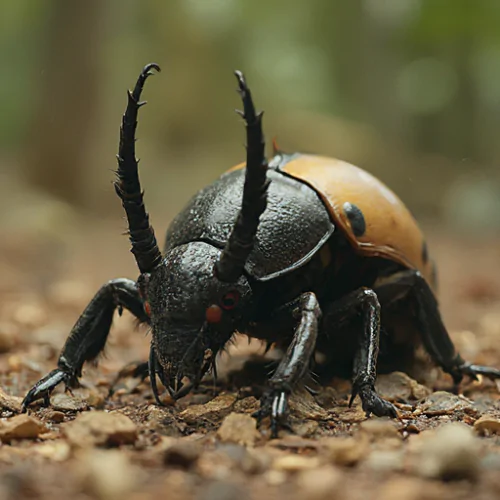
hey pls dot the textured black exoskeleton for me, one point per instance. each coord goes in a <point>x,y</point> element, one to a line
<point>256,252</point>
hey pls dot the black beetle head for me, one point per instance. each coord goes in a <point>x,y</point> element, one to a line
<point>193,313</point>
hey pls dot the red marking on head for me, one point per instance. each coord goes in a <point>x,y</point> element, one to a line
<point>147,308</point>
<point>213,314</point>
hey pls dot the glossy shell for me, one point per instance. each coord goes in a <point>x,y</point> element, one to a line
<point>373,218</point>
<point>293,227</point>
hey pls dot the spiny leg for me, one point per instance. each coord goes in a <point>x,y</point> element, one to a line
<point>294,365</point>
<point>88,337</point>
<point>411,285</point>
<point>364,301</point>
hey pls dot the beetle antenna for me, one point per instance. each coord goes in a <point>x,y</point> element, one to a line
<point>242,238</point>
<point>128,187</point>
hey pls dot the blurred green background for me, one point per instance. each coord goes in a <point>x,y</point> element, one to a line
<point>407,89</point>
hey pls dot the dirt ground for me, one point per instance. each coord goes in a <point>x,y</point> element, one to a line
<point>89,445</point>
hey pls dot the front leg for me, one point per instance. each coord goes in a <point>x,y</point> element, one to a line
<point>88,337</point>
<point>294,364</point>
<point>363,301</point>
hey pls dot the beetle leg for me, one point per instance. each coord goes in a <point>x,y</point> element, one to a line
<point>363,300</point>
<point>88,337</point>
<point>437,342</point>
<point>294,364</point>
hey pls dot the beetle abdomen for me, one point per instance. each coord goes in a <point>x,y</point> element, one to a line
<point>372,217</point>
<point>293,227</point>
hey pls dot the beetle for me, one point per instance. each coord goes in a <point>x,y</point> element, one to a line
<point>307,252</point>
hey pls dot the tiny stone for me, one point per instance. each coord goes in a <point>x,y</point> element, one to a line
<point>450,452</point>
<point>304,406</point>
<point>351,415</point>
<point>58,451</point>
<point>246,405</point>
<point>182,454</point>
<point>8,402</point>
<point>445,403</point>
<point>249,460</point>
<point>295,463</point>
<point>95,399</point>
<point>399,386</point>
<point>238,428</point>
<point>379,428</point>
<point>404,488</point>
<point>214,409</point>
<point>55,416</point>
<point>275,477</point>
<point>487,425</point>
<point>385,461</point>
<point>345,451</point>
<point>306,429</point>
<point>99,428</point>
<point>323,483</point>
<point>255,461</point>
<point>20,427</point>
<point>107,474</point>
<point>65,402</point>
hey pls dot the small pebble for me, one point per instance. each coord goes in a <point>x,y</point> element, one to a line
<point>55,416</point>
<point>65,402</point>
<point>405,488</point>
<point>445,403</point>
<point>8,402</point>
<point>345,451</point>
<point>99,428</point>
<point>323,483</point>
<point>238,428</point>
<point>379,428</point>
<point>295,463</point>
<point>57,450</point>
<point>385,461</point>
<point>106,474</point>
<point>450,453</point>
<point>212,410</point>
<point>20,427</point>
<point>182,454</point>
<point>305,428</point>
<point>399,386</point>
<point>487,425</point>
<point>303,406</point>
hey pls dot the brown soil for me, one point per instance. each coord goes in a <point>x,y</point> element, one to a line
<point>87,445</point>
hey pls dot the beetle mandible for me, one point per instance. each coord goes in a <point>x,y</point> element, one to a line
<point>307,252</point>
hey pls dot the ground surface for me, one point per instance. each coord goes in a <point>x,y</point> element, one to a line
<point>92,446</point>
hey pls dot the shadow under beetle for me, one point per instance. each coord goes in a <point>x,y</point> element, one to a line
<point>303,251</point>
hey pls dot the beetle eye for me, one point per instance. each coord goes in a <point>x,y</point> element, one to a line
<point>230,300</point>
